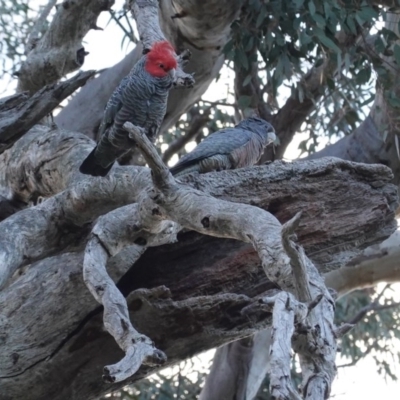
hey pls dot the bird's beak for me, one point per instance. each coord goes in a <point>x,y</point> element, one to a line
<point>172,73</point>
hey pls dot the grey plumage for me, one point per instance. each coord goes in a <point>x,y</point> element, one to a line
<point>230,148</point>
<point>140,99</point>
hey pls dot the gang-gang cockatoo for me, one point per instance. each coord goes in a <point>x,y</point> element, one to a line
<point>141,98</point>
<point>229,148</point>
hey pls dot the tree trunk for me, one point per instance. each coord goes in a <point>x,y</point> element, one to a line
<point>66,347</point>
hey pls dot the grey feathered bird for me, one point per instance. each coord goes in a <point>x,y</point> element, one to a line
<point>141,98</point>
<point>230,148</point>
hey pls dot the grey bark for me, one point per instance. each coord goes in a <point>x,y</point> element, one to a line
<point>20,113</point>
<point>35,179</point>
<point>63,321</point>
<point>60,50</point>
<point>366,144</point>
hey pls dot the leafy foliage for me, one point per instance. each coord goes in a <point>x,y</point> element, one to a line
<point>16,20</point>
<point>284,40</point>
<point>378,331</point>
<point>294,36</point>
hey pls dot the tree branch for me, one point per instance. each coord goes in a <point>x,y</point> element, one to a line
<point>380,263</point>
<point>197,123</point>
<point>60,50</point>
<point>285,310</point>
<point>112,233</point>
<point>315,338</point>
<point>145,13</point>
<point>289,118</point>
<point>17,119</point>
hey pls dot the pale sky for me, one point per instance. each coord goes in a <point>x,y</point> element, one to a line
<point>353,383</point>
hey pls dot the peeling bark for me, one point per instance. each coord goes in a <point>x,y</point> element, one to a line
<point>201,283</point>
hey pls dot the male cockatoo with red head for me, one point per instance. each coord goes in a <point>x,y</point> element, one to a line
<point>141,98</point>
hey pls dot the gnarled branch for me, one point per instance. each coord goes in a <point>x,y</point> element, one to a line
<point>20,113</point>
<point>60,50</point>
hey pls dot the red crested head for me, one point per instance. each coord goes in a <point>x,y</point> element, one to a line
<point>160,60</point>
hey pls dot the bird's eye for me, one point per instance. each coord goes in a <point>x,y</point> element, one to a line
<point>162,66</point>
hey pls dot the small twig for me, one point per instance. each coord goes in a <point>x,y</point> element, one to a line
<point>371,307</point>
<point>297,259</point>
<point>130,35</point>
<point>380,295</point>
<point>357,359</point>
<point>160,173</point>
<point>197,123</point>
<point>219,103</point>
<point>343,329</point>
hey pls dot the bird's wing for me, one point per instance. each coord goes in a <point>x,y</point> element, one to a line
<point>223,142</point>
<point>114,104</point>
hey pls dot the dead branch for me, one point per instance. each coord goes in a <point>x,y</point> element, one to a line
<point>39,231</point>
<point>45,162</point>
<point>183,206</point>
<point>379,263</point>
<point>197,211</point>
<point>375,140</point>
<point>112,233</point>
<point>16,118</point>
<point>297,258</point>
<point>315,339</point>
<point>74,345</point>
<point>286,309</point>
<point>60,50</point>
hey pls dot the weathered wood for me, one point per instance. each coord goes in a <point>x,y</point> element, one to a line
<point>210,280</point>
<point>20,113</point>
<point>60,50</point>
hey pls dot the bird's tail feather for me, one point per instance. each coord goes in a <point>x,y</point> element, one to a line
<point>90,166</point>
<point>179,170</point>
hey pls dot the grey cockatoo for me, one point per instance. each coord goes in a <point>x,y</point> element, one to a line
<point>230,148</point>
<point>141,98</point>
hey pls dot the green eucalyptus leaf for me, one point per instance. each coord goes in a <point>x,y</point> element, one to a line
<point>311,7</point>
